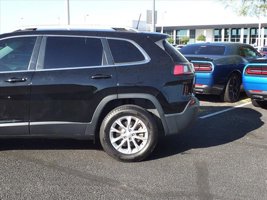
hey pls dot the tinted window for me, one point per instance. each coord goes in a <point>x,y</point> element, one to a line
<point>124,51</point>
<point>203,50</point>
<point>62,52</point>
<point>247,51</point>
<point>175,54</point>
<point>15,53</point>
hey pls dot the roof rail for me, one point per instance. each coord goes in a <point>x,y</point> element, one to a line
<point>76,27</point>
<point>126,29</point>
<point>26,29</point>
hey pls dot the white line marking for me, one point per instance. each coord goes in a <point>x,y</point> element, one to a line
<point>222,111</point>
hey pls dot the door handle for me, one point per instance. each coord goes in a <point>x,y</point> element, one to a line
<point>101,76</point>
<point>15,80</point>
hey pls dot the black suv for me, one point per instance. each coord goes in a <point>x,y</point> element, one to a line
<point>122,87</point>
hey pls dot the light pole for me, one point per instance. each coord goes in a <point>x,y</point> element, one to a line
<point>68,11</point>
<point>153,17</point>
<point>85,18</point>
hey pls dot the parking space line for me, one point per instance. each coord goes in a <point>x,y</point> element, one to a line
<point>223,111</point>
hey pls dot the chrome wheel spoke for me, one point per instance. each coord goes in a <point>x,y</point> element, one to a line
<point>114,140</point>
<point>115,130</point>
<point>135,144</point>
<point>135,124</point>
<point>139,131</point>
<point>122,143</point>
<point>139,138</point>
<point>128,135</point>
<point>129,119</point>
<point>120,123</point>
<point>129,150</point>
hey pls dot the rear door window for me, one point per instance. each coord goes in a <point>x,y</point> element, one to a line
<point>69,52</point>
<point>124,51</point>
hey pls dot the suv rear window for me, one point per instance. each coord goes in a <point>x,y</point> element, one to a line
<point>175,54</point>
<point>124,51</point>
<point>64,52</point>
<point>203,50</point>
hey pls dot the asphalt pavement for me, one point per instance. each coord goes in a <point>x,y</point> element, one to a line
<point>223,155</point>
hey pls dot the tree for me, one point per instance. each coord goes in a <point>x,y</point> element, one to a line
<point>257,8</point>
<point>201,38</point>
<point>170,40</point>
<point>184,40</point>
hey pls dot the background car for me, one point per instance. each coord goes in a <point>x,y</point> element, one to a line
<point>219,67</point>
<point>255,82</point>
<point>180,46</point>
<point>263,51</point>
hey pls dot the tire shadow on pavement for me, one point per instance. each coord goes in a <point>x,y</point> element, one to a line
<point>217,130</point>
<point>47,144</point>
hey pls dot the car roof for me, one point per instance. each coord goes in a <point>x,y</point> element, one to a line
<point>228,44</point>
<point>84,31</point>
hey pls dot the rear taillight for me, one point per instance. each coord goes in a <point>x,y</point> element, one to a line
<point>203,67</point>
<point>182,69</point>
<point>256,70</point>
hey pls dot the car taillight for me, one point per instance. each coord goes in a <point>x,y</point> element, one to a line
<point>182,69</point>
<point>256,71</point>
<point>203,67</point>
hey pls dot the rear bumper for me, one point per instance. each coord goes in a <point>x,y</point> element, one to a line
<point>255,87</point>
<point>179,121</point>
<point>259,96</point>
<point>206,89</point>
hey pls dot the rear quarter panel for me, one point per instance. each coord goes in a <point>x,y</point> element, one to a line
<point>251,82</point>
<point>225,66</point>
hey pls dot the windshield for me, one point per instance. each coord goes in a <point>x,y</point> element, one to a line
<point>203,50</point>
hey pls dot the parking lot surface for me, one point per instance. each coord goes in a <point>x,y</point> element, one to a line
<point>221,156</point>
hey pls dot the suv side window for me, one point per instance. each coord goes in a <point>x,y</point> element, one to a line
<point>124,51</point>
<point>15,53</point>
<point>66,52</point>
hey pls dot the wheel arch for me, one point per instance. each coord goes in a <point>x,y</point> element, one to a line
<point>236,71</point>
<point>147,101</point>
<point>225,95</point>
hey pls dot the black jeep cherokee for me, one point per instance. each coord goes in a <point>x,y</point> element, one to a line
<point>122,87</point>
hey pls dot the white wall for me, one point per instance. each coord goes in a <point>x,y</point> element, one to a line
<point>207,32</point>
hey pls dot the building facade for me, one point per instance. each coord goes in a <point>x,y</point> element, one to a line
<point>253,34</point>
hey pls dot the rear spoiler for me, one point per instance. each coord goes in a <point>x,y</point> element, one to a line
<point>191,58</point>
<point>259,60</point>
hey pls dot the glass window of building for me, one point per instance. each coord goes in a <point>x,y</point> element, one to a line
<point>217,35</point>
<point>181,34</point>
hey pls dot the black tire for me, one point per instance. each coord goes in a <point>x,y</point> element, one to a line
<point>133,131</point>
<point>232,90</point>
<point>261,104</point>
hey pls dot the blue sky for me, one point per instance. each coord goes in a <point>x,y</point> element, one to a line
<point>24,13</point>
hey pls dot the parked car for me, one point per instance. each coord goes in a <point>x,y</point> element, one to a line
<point>255,82</point>
<point>263,51</point>
<point>179,46</point>
<point>219,67</point>
<point>122,87</point>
